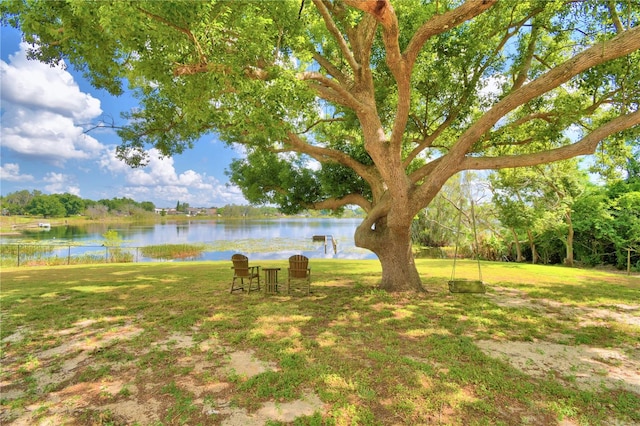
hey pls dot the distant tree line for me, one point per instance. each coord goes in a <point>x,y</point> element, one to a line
<point>236,210</point>
<point>36,203</point>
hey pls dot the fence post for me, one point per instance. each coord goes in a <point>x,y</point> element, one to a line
<point>18,255</point>
<point>69,255</point>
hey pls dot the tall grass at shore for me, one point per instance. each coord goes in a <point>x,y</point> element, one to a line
<point>173,251</point>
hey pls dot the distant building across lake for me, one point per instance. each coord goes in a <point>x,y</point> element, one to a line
<point>189,211</point>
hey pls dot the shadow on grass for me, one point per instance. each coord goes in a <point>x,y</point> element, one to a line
<point>371,356</point>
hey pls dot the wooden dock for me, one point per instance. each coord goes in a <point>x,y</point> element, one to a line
<point>325,239</point>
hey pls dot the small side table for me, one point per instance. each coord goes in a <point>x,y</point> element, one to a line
<point>270,280</point>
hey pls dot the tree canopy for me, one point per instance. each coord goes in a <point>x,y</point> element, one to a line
<point>369,103</point>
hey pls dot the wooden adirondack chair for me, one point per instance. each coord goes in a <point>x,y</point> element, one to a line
<point>242,271</point>
<point>299,271</point>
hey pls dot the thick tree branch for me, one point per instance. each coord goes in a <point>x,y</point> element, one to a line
<point>384,13</point>
<point>619,46</point>
<point>424,171</point>
<point>614,16</point>
<point>336,203</point>
<point>378,211</point>
<point>331,69</point>
<point>325,154</point>
<point>330,89</point>
<point>585,146</point>
<point>363,38</point>
<point>442,23</point>
<point>337,35</point>
<point>526,63</point>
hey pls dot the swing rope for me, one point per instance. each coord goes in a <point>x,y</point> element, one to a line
<point>476,249</point>
<point>475,237</point>
<point>455,253</point>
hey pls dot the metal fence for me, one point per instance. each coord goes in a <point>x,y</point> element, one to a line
<point>66,254</point>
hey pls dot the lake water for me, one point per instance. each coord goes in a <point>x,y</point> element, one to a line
<point>257,238</point>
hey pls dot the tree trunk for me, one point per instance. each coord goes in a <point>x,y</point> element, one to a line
<point>569,260</point>
<point>519,257</point>
<point>532,244</point>
<point>399,272</point>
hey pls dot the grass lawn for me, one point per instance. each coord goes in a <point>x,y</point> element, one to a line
<point>166,344</point>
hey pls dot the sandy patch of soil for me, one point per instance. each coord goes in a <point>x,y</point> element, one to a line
<point>245,364</point>
<point>130,393</point>
<point>278,411</point>
<point>585,366</point>
<point>512,298</point>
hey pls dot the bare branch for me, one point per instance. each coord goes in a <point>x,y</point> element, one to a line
<point>585,146</point>
<point>428,141</point>
<point>337,35</point>
<point>383,12</point>
<point>100,125</point>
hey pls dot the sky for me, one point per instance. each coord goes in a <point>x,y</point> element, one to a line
<point>45,145</point>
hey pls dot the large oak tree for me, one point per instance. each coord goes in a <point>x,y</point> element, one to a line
<point>351,102</point>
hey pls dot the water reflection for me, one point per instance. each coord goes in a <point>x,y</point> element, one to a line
<point>258,238</point>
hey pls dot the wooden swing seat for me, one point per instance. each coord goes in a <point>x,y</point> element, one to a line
<point>467,286</point>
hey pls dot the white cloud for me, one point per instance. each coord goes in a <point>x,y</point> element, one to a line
<point>58,183</point>
<point>46,135</point>
<point>11,172</point>
<point>36,85</point>
<point>44,110</point>
<point>161,183</point>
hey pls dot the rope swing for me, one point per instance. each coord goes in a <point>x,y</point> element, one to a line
<point>464,285</point>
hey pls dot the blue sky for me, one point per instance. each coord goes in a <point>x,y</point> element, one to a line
<point>45,112</point>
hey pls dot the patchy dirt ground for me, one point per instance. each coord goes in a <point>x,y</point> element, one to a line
<point>130,394</point>
<point>588,367</point>
<point>81,377</point>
